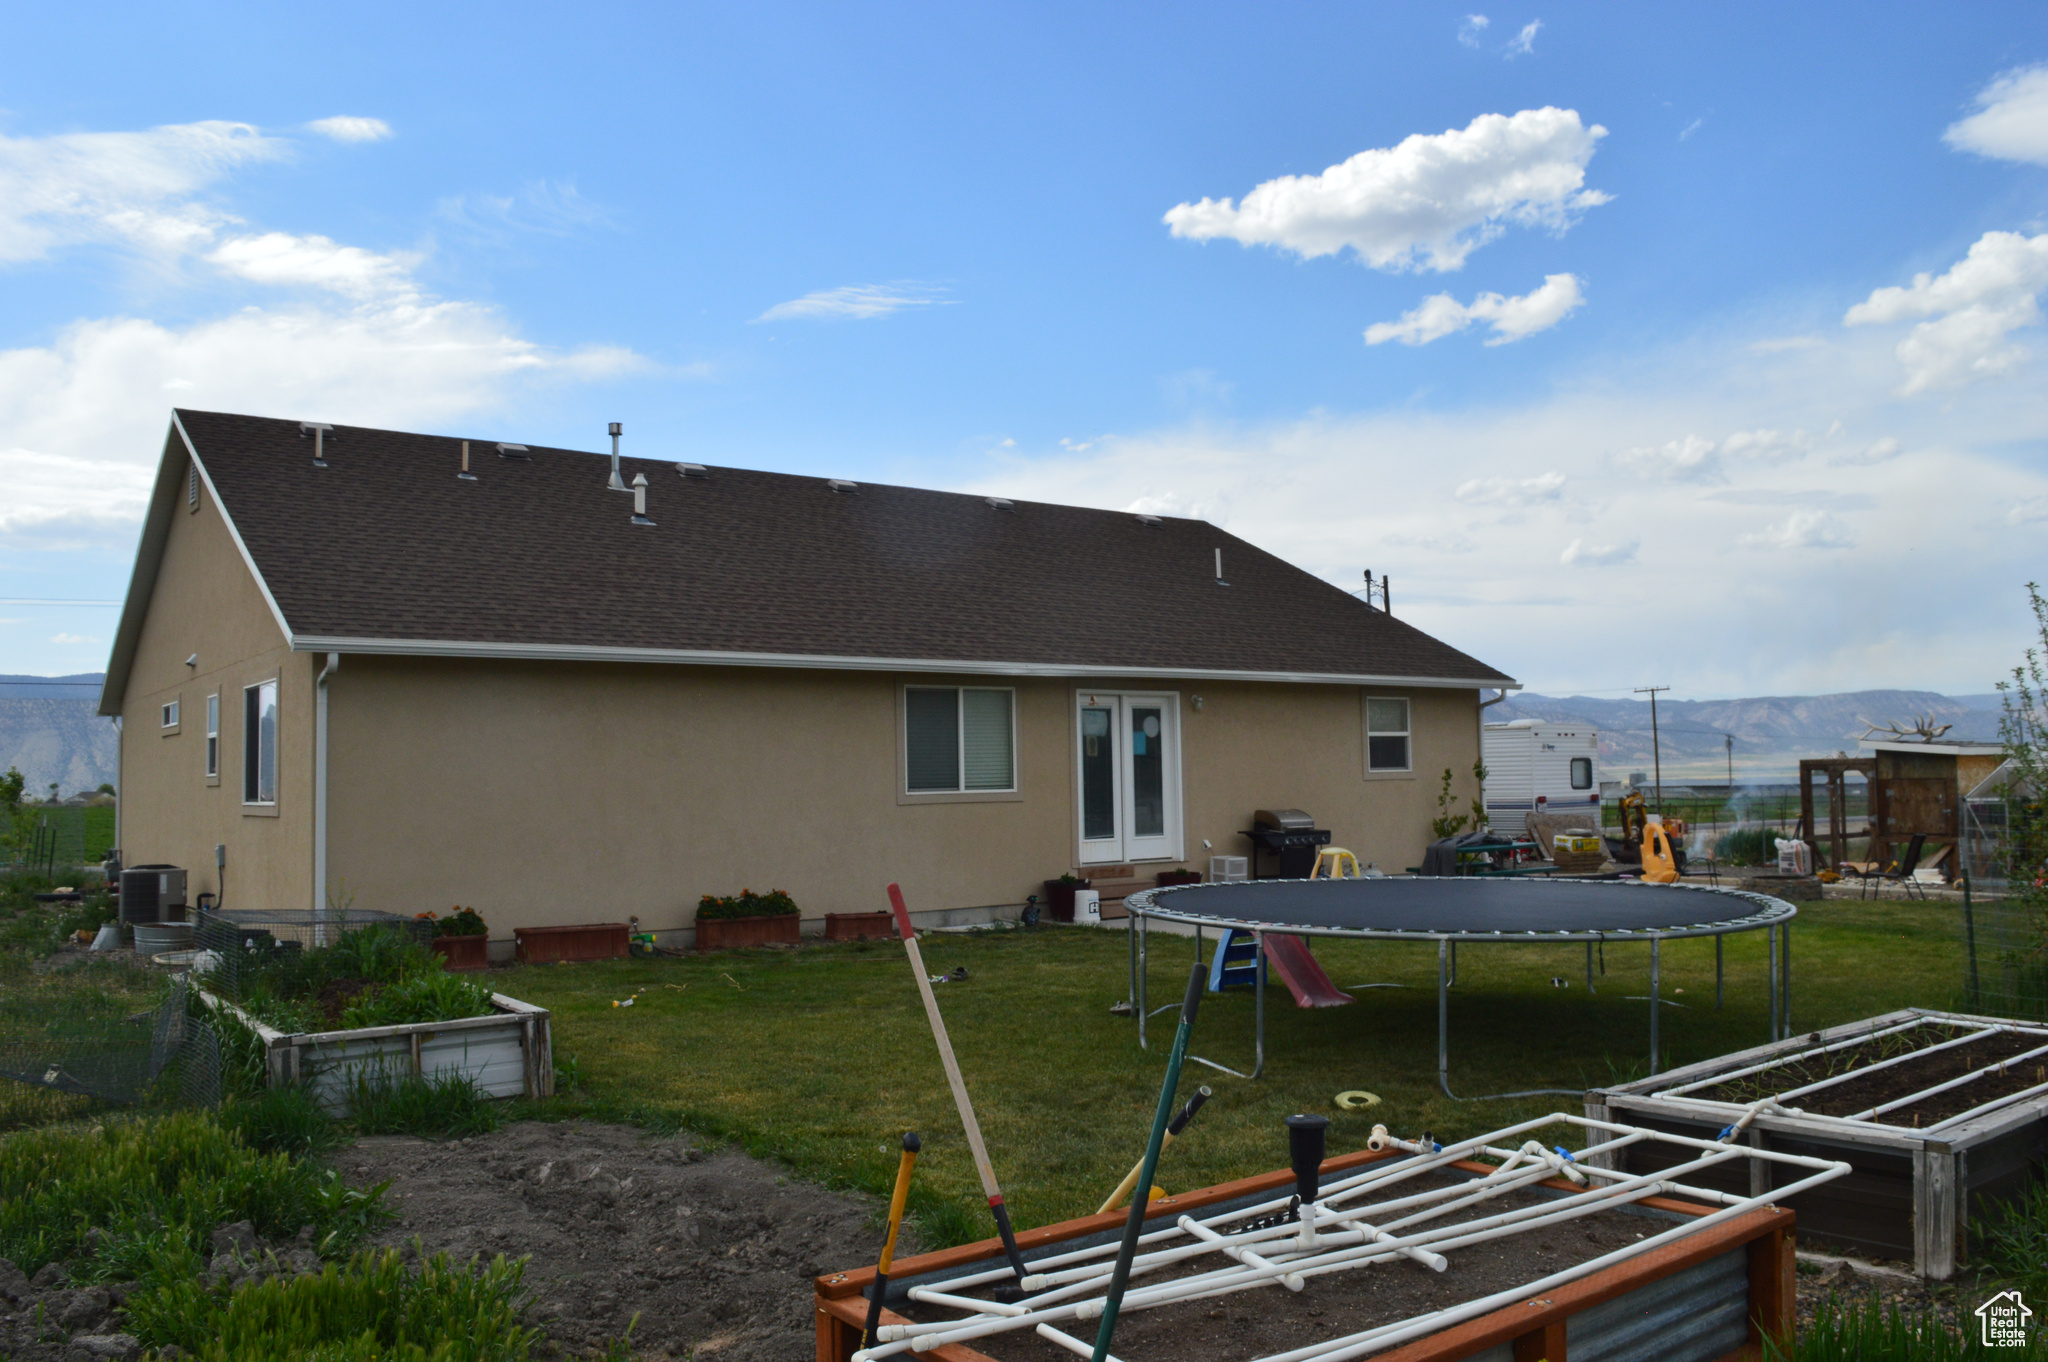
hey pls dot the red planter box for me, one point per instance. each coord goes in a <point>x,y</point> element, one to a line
<point>860,927</point>
<point>463,952</point>
<point>552,945</point>
<point>1059,899</point>
<point>1167,878</point>
<point>733,933</point>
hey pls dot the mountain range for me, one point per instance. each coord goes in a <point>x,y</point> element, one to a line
<point>48,730</point>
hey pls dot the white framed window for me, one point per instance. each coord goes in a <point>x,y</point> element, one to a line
<point>170,714</point>
<point>959,739</point>
<point>1386,734</point>
<point>1582,773</point>
<point>259,743</point>
<point>213,736</point>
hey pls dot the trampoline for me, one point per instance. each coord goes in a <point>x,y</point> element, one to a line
<point>1468,909</point>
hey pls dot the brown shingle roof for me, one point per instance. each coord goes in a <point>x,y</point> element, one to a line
<point>387,544</point>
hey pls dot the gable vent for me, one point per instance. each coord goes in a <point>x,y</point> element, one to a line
<point>513,452</point>
<point>1148,520</point>
<point>1000,503</point>
<point>192,488</point>
<point>693,470</point>
<point>842,485</point>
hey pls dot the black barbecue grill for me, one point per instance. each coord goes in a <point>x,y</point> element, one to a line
<point>1292,836</point>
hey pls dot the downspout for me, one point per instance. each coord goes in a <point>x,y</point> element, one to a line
<point>320,798</point>
<point>1479,731</point>
<point>120,785</point>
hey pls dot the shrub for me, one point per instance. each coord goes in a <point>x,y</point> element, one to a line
<point>433,995</point>
<point>459,922</point>
<point>437,1105</point>
<point>746,903</point>
<point>281,1121</point>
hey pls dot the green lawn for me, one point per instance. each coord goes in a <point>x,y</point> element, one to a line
<point>821,1057</point>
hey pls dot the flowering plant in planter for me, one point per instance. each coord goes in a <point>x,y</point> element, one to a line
<point>746,903</point>
<point>460,921</point>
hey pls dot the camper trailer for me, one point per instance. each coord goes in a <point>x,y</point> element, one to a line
<point>1534,767</point>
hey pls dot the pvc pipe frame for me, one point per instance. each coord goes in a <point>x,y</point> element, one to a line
<point>1778,934</point>
<point>1334,1253</point>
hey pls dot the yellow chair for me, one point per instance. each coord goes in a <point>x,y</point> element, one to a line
<point>1336,859</point>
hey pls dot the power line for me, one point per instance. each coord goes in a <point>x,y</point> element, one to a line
<point>52,600</point>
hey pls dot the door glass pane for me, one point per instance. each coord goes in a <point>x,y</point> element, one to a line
<point>259,785</point>
<point>985,732</point>
<point>1098,774</point>
<point>931,738</point>
<point>1148,771</point>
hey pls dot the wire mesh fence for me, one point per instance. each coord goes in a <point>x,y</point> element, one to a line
<point>292,954</point>
<point>2006,945</point>
<point>97,1035</point>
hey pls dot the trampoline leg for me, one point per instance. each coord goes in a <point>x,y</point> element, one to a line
<point>1785,970</point>
<point>1141,983</point>
<point>1656,1003</point>
<point>1771,970</point>
<point>1131,945</point>
<point>1443,1016</point>
<point>1454,964</point>
<point>1198,945</point>
<point>1718,940</point>
<point>1589,967</point>
<point>1259,1005</point>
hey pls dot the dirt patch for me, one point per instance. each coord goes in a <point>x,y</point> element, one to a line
<point>336,995</point>
<point>715,1251</point>
<point>1862,1092</point>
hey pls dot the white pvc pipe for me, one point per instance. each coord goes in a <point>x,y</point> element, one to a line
<point>1971,1077</point>
<point>1789,1058</point>
<point>1290,1280</point>
<point>928,1296</point>
<point>1861,1070</point>
<point>1072,1344</point>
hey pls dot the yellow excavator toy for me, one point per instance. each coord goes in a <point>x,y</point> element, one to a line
<point>1656,844</point>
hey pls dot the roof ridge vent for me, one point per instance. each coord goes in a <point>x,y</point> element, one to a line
<point>1144,519</point>
<point>845,485</point>
<point>506,451</point>
<point>693,470</point>
<point>318,430</point>
<point>1000,503</point>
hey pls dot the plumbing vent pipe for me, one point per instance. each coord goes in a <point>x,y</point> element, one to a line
<point>465,474</point>
<point>1219,569</point>
<point>618,484</point>
<point>640,500</point>
<point>318,430</point>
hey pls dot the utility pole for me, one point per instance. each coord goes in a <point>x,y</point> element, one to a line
<point>1656,748</point>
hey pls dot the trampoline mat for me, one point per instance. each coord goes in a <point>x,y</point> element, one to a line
<point>1475,906</point>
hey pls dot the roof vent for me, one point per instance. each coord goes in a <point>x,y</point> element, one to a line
<point>639,490</point>
<point>1000,503</point>
<point>465,474</point>
<point>693,470</point>
<point>617,484</point>
<point>318,430</point>
<point>1148,520</point>
<point>513,452</point>
<point>842,485</point>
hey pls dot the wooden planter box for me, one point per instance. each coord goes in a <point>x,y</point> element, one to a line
<point>463,952</point>
<point>1912,1196</point>
<point>860,927</point>
<point>1725,1287</point>
<point>1059,899</point>
<point>588,941</point>
<point>509,1053</point>
<point>734,933</point>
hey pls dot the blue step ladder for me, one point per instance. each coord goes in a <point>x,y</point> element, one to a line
<point>1235,964</point>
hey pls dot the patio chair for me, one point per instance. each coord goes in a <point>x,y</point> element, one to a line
<point>1899,871</point>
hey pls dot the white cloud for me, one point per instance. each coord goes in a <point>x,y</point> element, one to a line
<point>1511,491</point>
<point>1424,204</point>
<point>1511,318</point>
<point>1692,459</point>
<point>1765,444</point>
<point>2031,511</point>
<point>1883,451</point>
<point>344,128</point>
<point>1803,530</point>
<point>1471,28</point>
<point>281,258</point>
<point>2011,123</point>
<point>853,302</point>
<point>1523,44</point>
<point>1685,133</point>
<point>134,188</point>
<point>1579,553</point>
<point>1973,309</point>
<point>71,638</point>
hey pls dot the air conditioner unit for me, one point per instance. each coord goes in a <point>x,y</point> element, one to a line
<point>152,893</point>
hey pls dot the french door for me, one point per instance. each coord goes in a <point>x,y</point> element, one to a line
<point>1128,766</point>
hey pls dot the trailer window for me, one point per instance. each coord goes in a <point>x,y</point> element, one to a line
<point>1582,773</point>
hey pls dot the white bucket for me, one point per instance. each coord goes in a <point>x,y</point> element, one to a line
<point>108,938</point>
<point>1088,906</point>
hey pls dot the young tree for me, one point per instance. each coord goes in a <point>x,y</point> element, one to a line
<point>2023,727</point>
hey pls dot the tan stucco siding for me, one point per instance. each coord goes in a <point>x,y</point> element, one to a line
<point>206,602</point>
<point>548,793</point>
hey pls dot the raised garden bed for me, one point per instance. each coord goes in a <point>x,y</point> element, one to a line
<point>735,933</point>
<point>585,941</point>
<point>1711,1293</point>
<point>462,952</point>
<point>1940,1114</point>
<point>859,927</point>
<point>507,1053</point>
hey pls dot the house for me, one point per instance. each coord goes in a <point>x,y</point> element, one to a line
<point>406,671</point>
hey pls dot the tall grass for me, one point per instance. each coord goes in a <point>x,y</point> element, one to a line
<point>1877,1332</point>
<point>2014,1242</point>
<point>445,1105</point>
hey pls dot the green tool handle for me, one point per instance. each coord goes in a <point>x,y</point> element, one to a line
<point>1141,1195</point>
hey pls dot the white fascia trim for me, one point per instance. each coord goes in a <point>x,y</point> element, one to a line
<point>561,652</point>
<point>234,534</point>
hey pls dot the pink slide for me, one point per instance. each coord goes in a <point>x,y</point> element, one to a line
<point>1303,976</point>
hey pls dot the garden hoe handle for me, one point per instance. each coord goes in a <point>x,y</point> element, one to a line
<point>1178,1124</point>
<point>959,1084</point>
<point>903,1167</point>
<point>1198,977</point>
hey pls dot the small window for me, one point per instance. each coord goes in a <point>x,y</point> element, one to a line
<point>1582,773</point>
<point>171,714</point>
<point>212,736</point>
<point>958,739</point>
<point>1386,735</point>
<point>259,743</point>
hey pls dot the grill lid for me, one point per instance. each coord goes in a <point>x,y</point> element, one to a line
<point>1289,820</point>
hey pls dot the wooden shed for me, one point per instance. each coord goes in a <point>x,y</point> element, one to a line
<point>1918,787</point>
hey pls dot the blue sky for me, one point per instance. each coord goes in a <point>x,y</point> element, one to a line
<point>1596,327</point>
